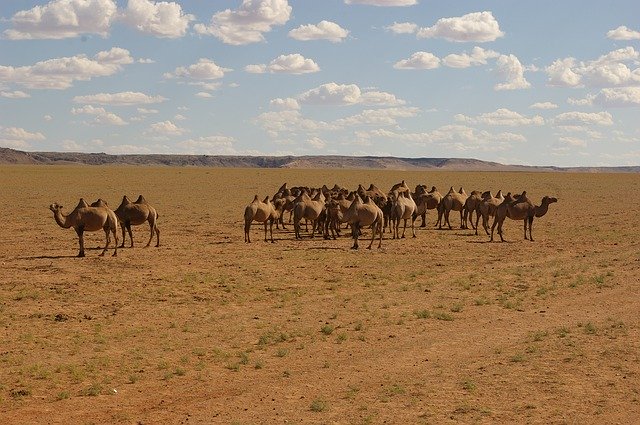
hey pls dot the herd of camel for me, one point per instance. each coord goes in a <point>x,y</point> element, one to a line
<point>98,216</point>
<point>327,209</point>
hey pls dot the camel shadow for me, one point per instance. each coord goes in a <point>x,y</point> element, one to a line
<point>46,257</point>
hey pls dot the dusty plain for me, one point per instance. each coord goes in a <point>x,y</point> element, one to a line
<point>444,328</point>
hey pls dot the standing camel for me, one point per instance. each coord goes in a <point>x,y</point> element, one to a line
<point>262,212</point>
<point>487,208</point>
<point>453,201</point>
<point>470,206</point>
<point>361,214</point>
<point>403,209</point>
<point>309,209</point>
<point>85,218</point>
<point>136,213</point>
<point>427,201</point>
<point>520,208</point>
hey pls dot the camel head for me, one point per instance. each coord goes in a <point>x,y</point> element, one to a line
<point>55,207</point>
<point>549,200</point>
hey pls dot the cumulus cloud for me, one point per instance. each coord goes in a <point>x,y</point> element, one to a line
<point>419,60</point>
<point>161,19</point>
<point>324,30</point>
<point>17,94</point>
<point>277,122</point>
<point>543,105</point>
<point>164,129</point>
<point>60,19</point>
<point>203,95</point>
<point>316,143</point>
<point>346,94</point>
<point>383,3</point>
<point>204,69</point>
<point>475,27</point>
<point>618,97</point>
<point>478,56</point>
<point>378,117</point>
<point>402,28</point>
<point>61,73</point>
<point>501,116</point>
<point>584,118</point>
<point>284,104</point>
<point>101,116</point>
<point>18,138</point>
<point>286,64</point>
<point>248,23</point>
<point>119,99</point>
<point>623,33</point>
<point>510,68</point>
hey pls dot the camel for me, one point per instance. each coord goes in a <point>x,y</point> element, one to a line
<point>427,201</point>
<point>453,201</point>
<point>262,212</point>
<point>309,209</point>
<point>520,208</point>
<point>136,213</point>
<point>361,214</point>
<point>336,209</point>
<point>85,218</point>
<point>403,209</point>
<point>470,206</point>
<point>487,208</point>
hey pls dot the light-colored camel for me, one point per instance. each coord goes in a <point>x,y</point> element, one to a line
<point>362,214</point>
<point>135,214</point>
<point>85,218</point>
<point>487,208</point>
<point>335,210</point>
<point>403,209</point>
<point>262,212</point>
<point>453,201</point>
<point>427,201</point>
<point>520,208</point>
<point>470,206</point>
<point>308,209</point>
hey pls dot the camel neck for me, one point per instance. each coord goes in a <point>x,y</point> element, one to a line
<point>542,209</point>
<point>61,219</point>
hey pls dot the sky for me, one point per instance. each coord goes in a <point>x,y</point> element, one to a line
<point>535,83</point>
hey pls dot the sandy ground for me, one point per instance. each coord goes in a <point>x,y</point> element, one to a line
<point>444,328</point>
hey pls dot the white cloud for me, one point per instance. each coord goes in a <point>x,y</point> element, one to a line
<point>179,117</point>
<point>478,56</point>
<point>572,141</point>
<point>286,64</point>
<point>623,33</point>
<point>419,60</point>
<point>47,117</point>
<point>385,116</point>
<point>346,94</point>
<point>561,74</point>
<point>324,30</point>
<point>17,94</point>
<point>161,19</point>
<point>277,122</point>
<point>60,19</point>
<point>209,145</point>
<point>146,111</point>
<point>101,115</point>
<point>584,118</point>
<point>248,23</point>
<point>587,101</point>
<point>164,129</point>
<point>204,69</point>
<point>204,95</point>
<point>119,99</point>
<point>17,133</point>
<point>501,116</point>
<point>402,28</point>
<point>476,27</point>
<point>285,104</point>
<point>544,105</point>
<point>383,3</point>
<point>510,68</point>
<point>61,73</point>
<point>317,143</point>
<point>618,97</point>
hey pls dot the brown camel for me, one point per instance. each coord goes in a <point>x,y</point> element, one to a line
<point>309,209</point>
<point>487,208</point>
<point>520,208</point>
<point>361,214</point>
<point>135,214</point>
<point>336,209</point>
<point>470,206</point>
<point>427,201</point>
<point>85,218</point>
<point>262,212</point>
<point>452,201</point>
<point>403,209</point>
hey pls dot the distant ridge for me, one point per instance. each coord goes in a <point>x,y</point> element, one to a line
<point>12,156</point>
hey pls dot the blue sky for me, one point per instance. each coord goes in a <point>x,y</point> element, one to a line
<point>539,83</point>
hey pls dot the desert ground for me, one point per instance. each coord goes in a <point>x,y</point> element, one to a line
<point>443,328</point>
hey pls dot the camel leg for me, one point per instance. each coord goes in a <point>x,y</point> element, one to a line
<point>265,230</point>
<point>477,220</point>
<point>404,228</point>
<point>495,221</point>
<point>130,233</point>
<point>80,232</point>
<point>500,230</point>
<point>530,226</point>
<point>446,218</point>
<point>115,238</point>
<point>151,226</point>
<point>354,232</point>
<point>525,228</point>
<point>380,232</point>
<point>123,234</point>
<point>424,219</point>
<point>373,234</point>
<point>108,240</point>
<point>247,228</point>
<point>157,235</point>
<point>463,222</point>
<point>413,229</point>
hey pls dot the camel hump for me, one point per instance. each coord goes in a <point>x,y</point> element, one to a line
<point>82,203</point>
<point>266,200</point>
<point>126,200</point>
<point>283,188</point>
<point>255,198</point>
<point>99,203</point>
<point>141,200</point>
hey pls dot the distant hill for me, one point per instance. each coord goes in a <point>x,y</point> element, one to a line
<point>12,156</point>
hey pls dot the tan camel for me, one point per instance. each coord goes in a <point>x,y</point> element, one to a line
<point>470,206</point>
<point>85,218</point>
<point>427,201</point>
<point>135,214</point>
<point>520,208</point>
<point>403,209</point>
<point>335,211</point>
<point>362,214</point>
<point>262,212</point>
<point>309,209</point>
<point>487,208</point>
<point>453,201</point>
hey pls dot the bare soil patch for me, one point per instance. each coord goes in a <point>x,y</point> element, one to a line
<point>444,328</point>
